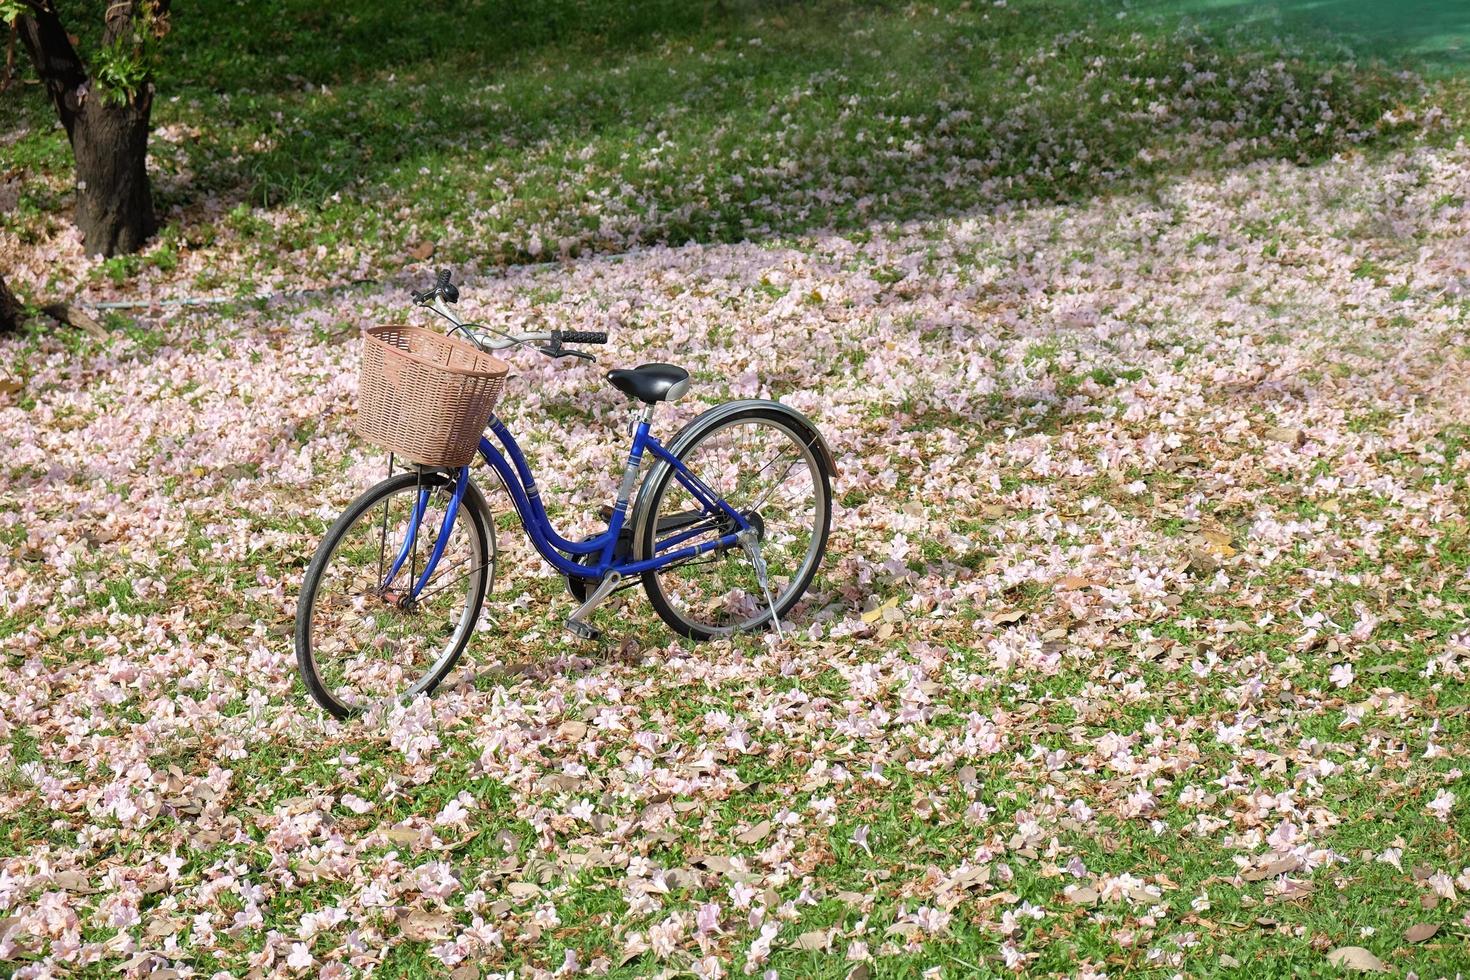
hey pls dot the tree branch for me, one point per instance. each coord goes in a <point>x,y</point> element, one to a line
<point>121,14</point>
<point>57,62</point>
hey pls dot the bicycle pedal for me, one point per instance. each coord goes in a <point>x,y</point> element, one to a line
<point>584,630</point>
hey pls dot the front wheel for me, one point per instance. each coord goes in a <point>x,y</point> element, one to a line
<point>770,465</point>
<point>364,635</point>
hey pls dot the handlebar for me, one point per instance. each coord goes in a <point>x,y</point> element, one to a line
<point>579,336</point>
<point>445,291</point>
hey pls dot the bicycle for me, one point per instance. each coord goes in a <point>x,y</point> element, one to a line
<point>712,563</point>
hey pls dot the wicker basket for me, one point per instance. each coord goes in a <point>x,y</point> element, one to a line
<point>425,396</point>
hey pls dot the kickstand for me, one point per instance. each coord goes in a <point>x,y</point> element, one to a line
<point>752,547</point>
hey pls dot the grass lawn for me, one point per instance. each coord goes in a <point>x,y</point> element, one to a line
<point>1139,332</point>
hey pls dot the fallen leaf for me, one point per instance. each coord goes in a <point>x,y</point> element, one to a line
<point>876,613</point>
<point>818,939</point>
<point>1421,932</point>
<point>402,835</point>
<point>1005,617</point>
<point>1082,895</point>
<point>423,925</point>
<point>1273,868</point>
<point>755,834</point>
<point>421,251</point>
<point>1356,958</point>
<point>713,862</point>
<point>1295,437</point>
<point>682,878</point>
<point>1202,564</point>
<point>74,882</point>
<point>560,782</point>
<point>1218,543</point>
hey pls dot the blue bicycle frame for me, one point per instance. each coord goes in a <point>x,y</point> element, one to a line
<point>515,473</point>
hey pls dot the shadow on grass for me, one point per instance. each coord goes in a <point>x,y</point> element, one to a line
<point>526,128</point>
<point>1431,36</point>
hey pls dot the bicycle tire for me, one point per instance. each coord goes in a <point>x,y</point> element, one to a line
<point>652,503</point>
<point>482,529</point>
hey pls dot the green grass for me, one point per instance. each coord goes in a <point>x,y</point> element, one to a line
<point>510,131</point>
<point>668,120</point>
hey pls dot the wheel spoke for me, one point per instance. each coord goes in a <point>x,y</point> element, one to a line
<point>367,640</point>
<point>786,490</point>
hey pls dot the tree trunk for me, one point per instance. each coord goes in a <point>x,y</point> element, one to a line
<point>9,309</point>
<point>114,201</point>
<point>109,140</point>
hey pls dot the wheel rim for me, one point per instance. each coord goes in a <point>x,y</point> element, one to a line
<point>369,646</point>
<point>761,467</point>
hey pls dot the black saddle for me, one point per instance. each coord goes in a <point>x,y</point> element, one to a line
<point>651,383</point>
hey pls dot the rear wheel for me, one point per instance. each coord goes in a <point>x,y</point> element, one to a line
<point>767,465</point>
<point>362,637</point>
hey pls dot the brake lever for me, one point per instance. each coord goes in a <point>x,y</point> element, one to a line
<point>566,352</point>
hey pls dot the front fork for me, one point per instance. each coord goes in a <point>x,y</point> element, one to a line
<point>410,539</point>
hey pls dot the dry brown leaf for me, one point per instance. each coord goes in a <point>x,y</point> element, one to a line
<point>818,939</point>
<point>1356,958</point>
<point>1084,896</point>
<point>1421,932</point>
<point>714,862</point>
<point>73,881</point>
<point>755,834</point>
<point>1294,437</point>
<point>401,835</point>
<point>1006,617</point>
<point>560,782</point>
<point>876,613</point>
<point>683,878</point>
<point>421,251</point>
<point>422,925</point>
<point>1272,869</point>
<point>1218,543</point>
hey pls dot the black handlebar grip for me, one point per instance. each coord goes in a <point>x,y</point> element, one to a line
<point>445,288</point>
<point>583,336</point>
